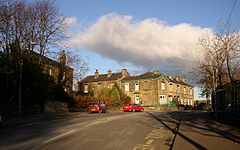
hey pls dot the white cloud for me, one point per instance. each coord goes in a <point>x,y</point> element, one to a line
<point>70,21</point>
<point>148,43</point>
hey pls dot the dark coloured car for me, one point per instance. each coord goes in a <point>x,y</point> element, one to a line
<point>97,107</point>
<point>132,107</point>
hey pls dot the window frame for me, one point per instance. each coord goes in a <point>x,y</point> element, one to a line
<point>126,87</point>
<point>85,88</point>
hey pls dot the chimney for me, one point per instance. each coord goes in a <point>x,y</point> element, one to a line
<point>171,76</point>
<point>96,74</point>
<point>109,73</point>
<point>124,73</point>
<point>63,58</point>
<point>177,77</point>
<point>184,79</point>
<point>155,72</point>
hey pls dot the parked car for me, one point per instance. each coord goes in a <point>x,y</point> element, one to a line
<point>97,107</point>
<point>132,107</point>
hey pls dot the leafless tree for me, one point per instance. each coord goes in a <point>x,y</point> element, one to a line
<point>79,64</point>
<point>220,63</point>
<point>37,24</point>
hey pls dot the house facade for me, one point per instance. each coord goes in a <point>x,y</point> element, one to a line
<point>57,69</point>
<point>92,83</point>
<point>155,88</point>
<point>145,89</point>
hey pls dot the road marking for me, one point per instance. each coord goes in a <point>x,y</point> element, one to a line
<point>146,147</point>
<point>92,123</point>
<point>149,142</point>
<point>59,136</point>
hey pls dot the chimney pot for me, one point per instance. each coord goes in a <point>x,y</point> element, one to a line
<point>109,73</point>
<point>155,72</point>
<point>177,77</point>
<point>124,73</point>
<point>184,79</point>
<point>96,74</point>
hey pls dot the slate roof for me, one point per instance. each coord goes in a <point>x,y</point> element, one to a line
<point>150,75</point>
<point>47,60</point>
<point>147,75</point>
<point>174,80</point>
<point>101,77</point>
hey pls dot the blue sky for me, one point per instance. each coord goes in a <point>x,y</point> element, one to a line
<point>115,34</point>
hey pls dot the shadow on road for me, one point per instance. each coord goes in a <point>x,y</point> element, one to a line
<point>165,122</point>
<point>197,122</point>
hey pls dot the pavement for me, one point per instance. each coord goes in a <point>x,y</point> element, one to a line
<point>199,131</point>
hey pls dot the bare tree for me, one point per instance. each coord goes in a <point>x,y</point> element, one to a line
<point>220,63</point>
<point>231,46</point>
<point>80,67</point>
<point>32,24</point>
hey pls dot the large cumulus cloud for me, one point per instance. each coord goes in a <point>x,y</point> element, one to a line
<point>147,43</point>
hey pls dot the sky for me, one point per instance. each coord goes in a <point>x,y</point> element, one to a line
<point>143,35</point>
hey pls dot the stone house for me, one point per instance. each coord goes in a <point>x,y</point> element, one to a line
<point>94,82</point>
<point>58,70</point>
<point>146,89</point>
<point>155,88</point>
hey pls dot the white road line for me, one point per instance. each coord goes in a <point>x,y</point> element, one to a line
<point>92,123</point>
<point>59,136</point>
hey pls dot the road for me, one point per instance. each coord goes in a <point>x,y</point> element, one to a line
<point>123,131</point>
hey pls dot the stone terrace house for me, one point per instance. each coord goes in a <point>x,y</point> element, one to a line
<point>94,82</point>
<point>146,89</point>
<point>155,88</point>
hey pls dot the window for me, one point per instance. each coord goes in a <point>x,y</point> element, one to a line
<point>50,71</point>
<point>184,90</point>
<point>163,86</point>
<point>191,91</point>
<point>170,87</point>
<point>85,90</point>
<point>136,86</point>
<point>127,87</point>
<point>177,89</point>
<point>64,75</point>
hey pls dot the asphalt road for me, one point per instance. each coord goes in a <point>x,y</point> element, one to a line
<point>120,130</point>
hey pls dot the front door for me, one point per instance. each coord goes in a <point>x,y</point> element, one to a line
<point>137,99</point>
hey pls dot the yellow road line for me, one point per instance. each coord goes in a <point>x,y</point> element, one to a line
<point>149,142</point>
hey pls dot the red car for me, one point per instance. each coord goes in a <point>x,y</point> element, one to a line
<point>132,107</point>
<point>97,107</point>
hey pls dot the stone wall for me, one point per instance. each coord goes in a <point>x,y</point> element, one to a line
<point>55,107</point>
